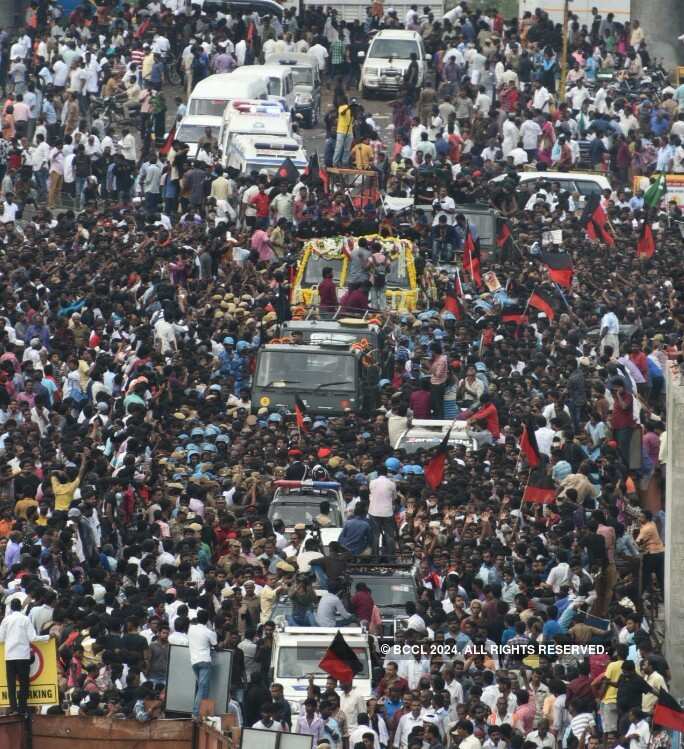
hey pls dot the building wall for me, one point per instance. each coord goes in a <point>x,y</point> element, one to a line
<point>674,531</point>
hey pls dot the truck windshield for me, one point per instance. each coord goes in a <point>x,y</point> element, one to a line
<point>298,661</point>
<point>388,591</point>
<point>301,512</point>
<point>309,369</point>
<point>397,49</point>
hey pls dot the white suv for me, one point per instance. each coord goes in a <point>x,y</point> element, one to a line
<point>387,59</point>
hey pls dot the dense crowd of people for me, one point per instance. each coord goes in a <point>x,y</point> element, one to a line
<point>138,283</point>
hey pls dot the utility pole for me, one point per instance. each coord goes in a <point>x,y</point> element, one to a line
<point>564,54</point>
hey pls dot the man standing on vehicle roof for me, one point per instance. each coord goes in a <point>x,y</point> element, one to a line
<point>383,492</point>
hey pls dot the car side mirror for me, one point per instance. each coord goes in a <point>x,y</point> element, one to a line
<point>428,58</point>
<point>360,55</point>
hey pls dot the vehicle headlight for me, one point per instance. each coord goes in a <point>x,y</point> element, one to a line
<point>372,72</point>
<point>303,98</point>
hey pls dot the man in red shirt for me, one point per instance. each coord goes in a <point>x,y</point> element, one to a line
<point>261,202</point>
<point>355,301</point>
<point>327,292</point>
<point>622,420</point>
<point>639,359</point>
<point>489,414</point>
<point>420,400</point>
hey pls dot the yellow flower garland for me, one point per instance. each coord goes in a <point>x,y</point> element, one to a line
<point>331,248</point>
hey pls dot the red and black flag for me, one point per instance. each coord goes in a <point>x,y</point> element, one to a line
<point>288,171</point>
<point>453,303</point>
<point>315,174</point>
<point>594,220</point>
<point>504,237</point>
<point>434,468</point>
<point>668,712</point>
<point>559,267</point>
<point>540,300</point>
<point>540,488</point>
<point>514,313</point>
<point>300,413</point>
<point>645,246</point>
<point>471,258</point>
<point>528,445</point>
<point>340,661</point>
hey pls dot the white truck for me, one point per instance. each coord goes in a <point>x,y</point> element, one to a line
<point>353,10</point>
<point>297,651</point>
<point>580,8</point>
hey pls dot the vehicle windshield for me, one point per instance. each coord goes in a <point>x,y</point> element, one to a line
<point>313,274</point>
<point>396,49</point>
<point>298,661</point>
<point>306,370</point>
<point>302,76</point>
<point>212,107</point>
<point>388,591</point>
<point>192,133</point>
<point>302,512</point>
<point>394,278</point>
<point>412,444</point>
<point>274,86</point>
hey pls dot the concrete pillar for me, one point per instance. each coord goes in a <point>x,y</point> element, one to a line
<point>663,22</point>
<point>674,531</point>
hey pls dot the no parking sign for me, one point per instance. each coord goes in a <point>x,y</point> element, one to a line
<point>43,688</point>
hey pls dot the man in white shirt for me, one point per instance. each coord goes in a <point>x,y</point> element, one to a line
<point>407,723</point>
<point>610,329</point>
<point>383,492</point>
<point>638,733</point>
<point>352,702</point>
<point>541,97</point>
<point>17,633</point>
<point>201,639</point>
<point>530,133</point>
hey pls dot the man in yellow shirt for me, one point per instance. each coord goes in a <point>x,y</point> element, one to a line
<point>64,489</point>
<point>608,708</point>
<point>362,155</point>
<point>345,133</point>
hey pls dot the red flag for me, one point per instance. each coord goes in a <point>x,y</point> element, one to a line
<point>668,712</point>
<point>300,413</point>
<point>340,661</point>
<point>434,468</point>
<point>528,446</point>
<point>471,258</point>
<point>540,488</point>
<point>164,150</point>
<point>645,246</point>
<point>559,267</point>
<point>453,304</point>
<point>594,220</point>
<point>539,300</point>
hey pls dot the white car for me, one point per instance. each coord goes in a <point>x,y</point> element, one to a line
<point>388,58</point>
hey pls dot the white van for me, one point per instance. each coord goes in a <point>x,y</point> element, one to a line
<point>297,651</point>
<point>584,183</point>
<point>210,96</point>
<point>253,117</point>
<point>387,59</point>
<point>278,79</point>
<point>256,153</point>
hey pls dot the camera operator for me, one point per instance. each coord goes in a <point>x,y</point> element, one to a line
<point>303,599</point>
